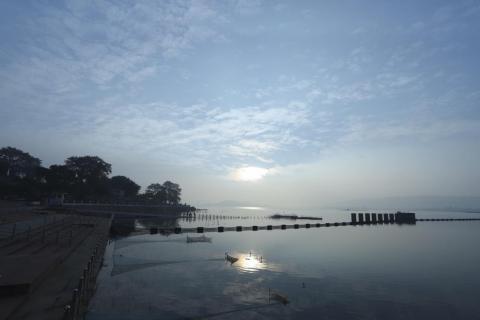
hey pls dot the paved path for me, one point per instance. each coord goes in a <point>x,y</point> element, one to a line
<point>51,262</point>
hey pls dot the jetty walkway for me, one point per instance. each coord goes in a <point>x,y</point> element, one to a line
<point>43,262</point>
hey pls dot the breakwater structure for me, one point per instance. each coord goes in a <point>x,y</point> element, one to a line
<point>130,209</point>
<point>356,219</point>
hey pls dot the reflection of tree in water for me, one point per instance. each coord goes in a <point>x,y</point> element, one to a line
<point>122,227</point>
<point>162,226</point>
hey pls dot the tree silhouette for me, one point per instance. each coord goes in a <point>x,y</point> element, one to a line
<point>82,178</point>
<point>173,192</point>
<point>16,163</point>
<point>123,187</point>
<point>60,179</point>
<point>90,176</point>
<point>156,192</point>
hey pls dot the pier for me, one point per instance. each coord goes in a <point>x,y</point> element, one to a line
<point>398,218</point>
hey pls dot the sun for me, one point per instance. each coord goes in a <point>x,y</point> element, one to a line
<point>249,173</point>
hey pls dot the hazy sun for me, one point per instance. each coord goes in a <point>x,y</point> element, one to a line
<point>249,173</point>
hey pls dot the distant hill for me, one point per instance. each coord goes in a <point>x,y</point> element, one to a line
<point>232,203</point>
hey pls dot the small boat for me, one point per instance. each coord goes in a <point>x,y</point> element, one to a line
<point>202,238</point>
<point>230,259</point>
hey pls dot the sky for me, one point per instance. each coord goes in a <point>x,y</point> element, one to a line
<point>286,103</point>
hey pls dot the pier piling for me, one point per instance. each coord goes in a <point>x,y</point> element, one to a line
<point>391,217</point>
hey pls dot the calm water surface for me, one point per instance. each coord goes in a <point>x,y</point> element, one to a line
<point>426,271</point>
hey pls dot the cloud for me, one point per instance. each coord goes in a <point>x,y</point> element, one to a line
<point>418,129</point>
<point>203,133</point>
<point>69,49</point>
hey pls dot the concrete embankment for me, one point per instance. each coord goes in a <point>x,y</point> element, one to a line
<point>42,266</point>
<point>130,209</point>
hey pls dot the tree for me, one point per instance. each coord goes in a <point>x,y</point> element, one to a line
<point>173,192</point>
<point>3,167</point>
<point>90,175</point>
<point>123,187</point>
<point>16,163</point>
<point>156,192</point>
<point>88,168</point>
<point>59,179</point>
<point>20,174</point>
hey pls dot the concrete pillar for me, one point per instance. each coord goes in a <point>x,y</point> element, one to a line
<point>75,302</point>
<point>367,217</point>
<point>85,279</point>
<point>14,230</point>
<point>353,218</point>
<point>81,289</point>
<point>67,312</point>
<point>360,218</point>
<point>385,218</point>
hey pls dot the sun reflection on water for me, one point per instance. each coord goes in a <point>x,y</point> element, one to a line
<point>251,208</point>
<point>252,262</point>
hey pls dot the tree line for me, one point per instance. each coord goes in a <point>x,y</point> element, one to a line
<point>80,178</point>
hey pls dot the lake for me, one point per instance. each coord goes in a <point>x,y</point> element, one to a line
<point>423,271</point>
